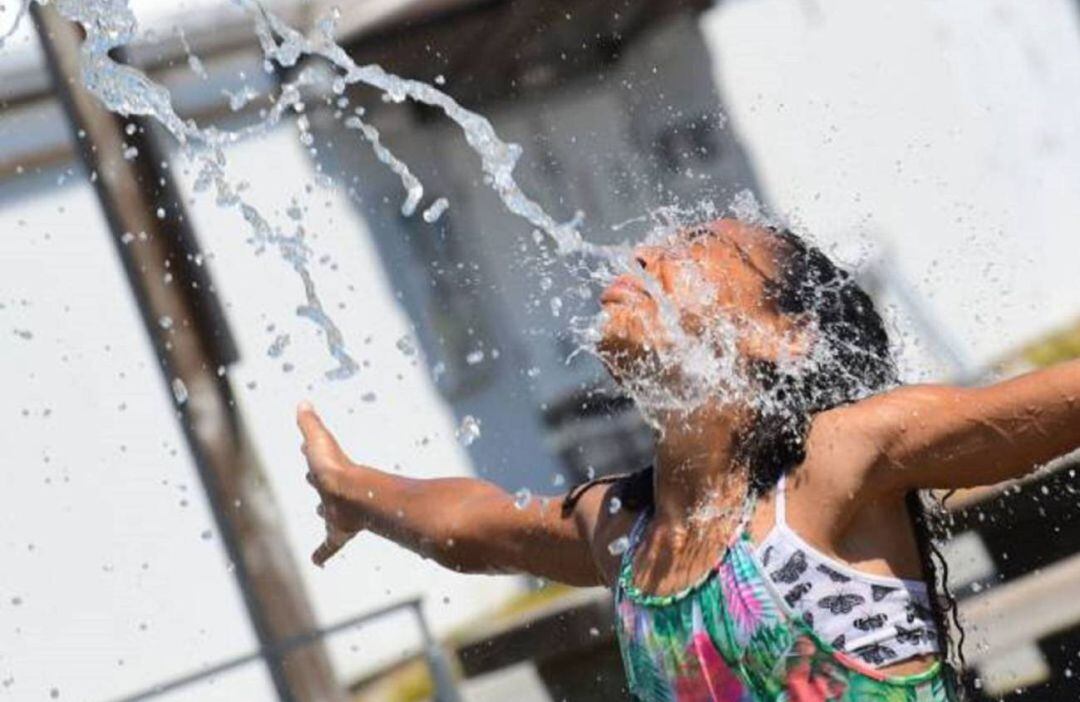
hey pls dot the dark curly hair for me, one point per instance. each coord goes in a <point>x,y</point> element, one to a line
<point>851,359</point>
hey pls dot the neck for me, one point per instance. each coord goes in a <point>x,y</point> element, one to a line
<point>697,470</point>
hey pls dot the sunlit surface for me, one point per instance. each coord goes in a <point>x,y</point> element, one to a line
<point>933,150</point>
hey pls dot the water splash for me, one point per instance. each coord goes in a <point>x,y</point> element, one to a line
<point>522,498</point>
<point>437,209</point>
<point>469,430</point>
<point>707,363</point>
<point>24,7</point>
<point>619,546</point>
<point>110,24</point>
<point>412,185</point>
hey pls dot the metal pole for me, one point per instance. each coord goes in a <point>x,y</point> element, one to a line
<point>296,642</point>
<point>442,674</point>
<point>188,332</point>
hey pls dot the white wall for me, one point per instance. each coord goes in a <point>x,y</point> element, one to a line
<point>948,131</point>
<point>106,540</point>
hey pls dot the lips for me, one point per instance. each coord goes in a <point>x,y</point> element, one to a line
<point>625,288</point>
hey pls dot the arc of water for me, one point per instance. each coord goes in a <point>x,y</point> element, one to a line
<point>24,7</point>
<point>127,91</point>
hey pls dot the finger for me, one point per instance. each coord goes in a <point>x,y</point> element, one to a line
<point>309,422</point>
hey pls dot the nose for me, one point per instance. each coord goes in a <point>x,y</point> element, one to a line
<point>647,257</point>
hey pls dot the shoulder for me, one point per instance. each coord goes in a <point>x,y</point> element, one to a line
<point>605,511</point>
<point>857,443</point>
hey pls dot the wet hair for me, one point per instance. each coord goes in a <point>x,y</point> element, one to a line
<point>851,359</point>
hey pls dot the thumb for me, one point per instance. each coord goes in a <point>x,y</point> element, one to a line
<point>323,553</point>
<point>330,545</point>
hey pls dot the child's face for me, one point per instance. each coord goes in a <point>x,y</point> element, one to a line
<point>717,274</point>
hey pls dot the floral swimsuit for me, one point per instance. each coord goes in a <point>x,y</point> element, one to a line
<point>730,637</point>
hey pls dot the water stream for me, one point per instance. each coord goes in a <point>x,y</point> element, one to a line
<point>125,90</point>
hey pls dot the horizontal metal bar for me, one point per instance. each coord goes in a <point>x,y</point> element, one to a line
<point>286,646</point>
<point>1026,609</point>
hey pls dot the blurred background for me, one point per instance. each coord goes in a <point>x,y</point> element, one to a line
<point>155,523</point>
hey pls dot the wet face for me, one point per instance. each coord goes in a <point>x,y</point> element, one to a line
<point>721,275</point>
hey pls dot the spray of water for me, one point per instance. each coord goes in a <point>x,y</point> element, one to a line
<point>110,24</point>
<point>24,7</point>
<point>706,363</point>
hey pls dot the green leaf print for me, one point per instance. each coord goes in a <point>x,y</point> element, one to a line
<point>648,682</point>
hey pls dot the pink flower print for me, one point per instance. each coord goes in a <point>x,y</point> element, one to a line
<point>713,681</point>
<point>807,680</point>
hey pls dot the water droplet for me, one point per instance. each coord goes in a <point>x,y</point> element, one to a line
<point>165,321</point>
<point>440,79</point>
<point>160,213</point>
<point>522,498</point>
<point>433,213</point>
<point>405,346</point>
<point>368,397</point>
<point>469,430</point>
<point>278,346</point>
<point>474,357</point>
<point>179,391</point>
<point>618,546</point>
<point>614,505</point>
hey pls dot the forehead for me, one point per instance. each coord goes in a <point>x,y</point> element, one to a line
<point>727,240</point>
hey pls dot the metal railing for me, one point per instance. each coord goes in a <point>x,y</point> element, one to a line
<point>442,676</point>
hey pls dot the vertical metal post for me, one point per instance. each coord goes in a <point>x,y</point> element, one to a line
<point>180,313</point>
<point>442,675</point>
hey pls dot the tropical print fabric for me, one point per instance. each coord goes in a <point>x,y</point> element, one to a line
<point>728,639</point>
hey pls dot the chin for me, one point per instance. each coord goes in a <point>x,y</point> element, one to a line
<point>623,350</point>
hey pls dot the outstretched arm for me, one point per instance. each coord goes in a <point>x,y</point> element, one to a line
<point>464,524</point>
<point>949,437</point>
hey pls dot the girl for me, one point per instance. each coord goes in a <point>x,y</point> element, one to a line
<point>777,549</point>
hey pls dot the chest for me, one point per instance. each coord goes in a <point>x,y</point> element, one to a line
<point>877,539</point>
